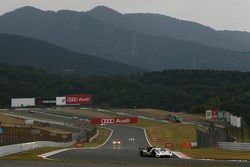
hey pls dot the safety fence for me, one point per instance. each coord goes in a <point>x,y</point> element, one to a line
<point>234,146</point>
<point>16,134</point>
<point>16,148</point>
<point>241,134</point>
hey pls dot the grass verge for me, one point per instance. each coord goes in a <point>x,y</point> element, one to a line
<point>29,155</point>
<point>215,153</point>
<point>160,133</point>
<point>177,133</point>
<point>33,154</point>
<point>103,135</point>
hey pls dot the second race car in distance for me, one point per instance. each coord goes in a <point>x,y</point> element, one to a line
<point>116,142</point>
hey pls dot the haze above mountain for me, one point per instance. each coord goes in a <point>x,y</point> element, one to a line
<point>131,39</point>
<point>161,25</point>
<point>16,50</point>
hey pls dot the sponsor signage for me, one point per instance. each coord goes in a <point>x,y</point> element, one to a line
<point>194,144</point>
<point>169,145</point>
<point>1,130</point>
<point>22,102</point>
<point>227,116</point>
<point>29,122</point>
<point>79,144</point>
<point>60,101</point>
<point>214,114</point>
<point>99,121</point>
<point>221,115</point>
<point>209,114</point>
<point>46,101</point>
<point>238,122</point>
<point>79,99</point>
<point>233,120</point>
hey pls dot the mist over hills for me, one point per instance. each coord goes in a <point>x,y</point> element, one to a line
<point>112,38</point>
<point>241,35</point>
<point>16,50</point>
<point>161,25</point>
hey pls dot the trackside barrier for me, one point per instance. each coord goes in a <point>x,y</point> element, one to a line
<point>16,148</point>
<point>234,146</point>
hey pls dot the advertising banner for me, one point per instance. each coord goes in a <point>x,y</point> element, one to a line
<point>227,116</point>
<point>169,145</point>
<point>60,101</point>
<point>99,121</point>
<point>220,115</point>
<point>22,102</point>
<point>1,130</point>
<point>214,114</point>
<point>208,114</point>
<point>238,122</point>
<point>233,120</point>
<point>46,101</point>
<point>79,99</point>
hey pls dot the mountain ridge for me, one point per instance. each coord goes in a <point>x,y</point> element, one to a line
<point>162,25</point>
<point>80,32</point>
<point>18,50</point>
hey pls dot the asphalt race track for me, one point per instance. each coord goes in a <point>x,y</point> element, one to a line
<point>127,153</point>
<point>109,155</point>
<point>127,150</point>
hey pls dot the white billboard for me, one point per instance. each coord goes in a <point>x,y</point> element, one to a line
<point>238,122</point>
<point>208,114</point>
<point>29,122</point>
<point>60,101</point>
<point>22,102</point>
<point>227,116</point>
<point>233,120</point>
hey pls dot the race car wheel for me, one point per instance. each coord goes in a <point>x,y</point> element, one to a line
<point>141,154</point>
<point>155,155</point>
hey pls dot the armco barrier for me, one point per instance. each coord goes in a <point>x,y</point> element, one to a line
<point>234,146</point>
<point>16,148</point>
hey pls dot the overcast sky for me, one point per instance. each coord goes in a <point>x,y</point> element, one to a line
<point>219,14</point>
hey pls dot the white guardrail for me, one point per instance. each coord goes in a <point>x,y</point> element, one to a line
<point>234,146</point>
<point>16,148</point>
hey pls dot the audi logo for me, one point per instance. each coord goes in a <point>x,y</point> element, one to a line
<point>76,99</point>
<point>107,121</point>
<point>72,99</point>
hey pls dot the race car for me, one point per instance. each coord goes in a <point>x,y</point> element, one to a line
<point>156,152</point>
<point>131,139</point>
<point>116,142</point>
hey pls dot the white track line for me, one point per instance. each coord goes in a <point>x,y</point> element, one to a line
<point>106,140</point>
<point>95,136</point>
<point>181,155</point>
<point>146,136</point>
<point>46,155</point>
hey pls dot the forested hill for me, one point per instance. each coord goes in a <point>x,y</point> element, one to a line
<point>17,50</point>
<point>83,33</point>
<point>178,90</point>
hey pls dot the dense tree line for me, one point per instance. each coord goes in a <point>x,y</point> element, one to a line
<point>176,90</point>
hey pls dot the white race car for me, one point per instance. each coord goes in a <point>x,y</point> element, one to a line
<point>155,152</point>
<point>131,139</point>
